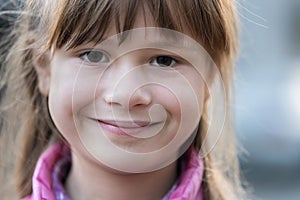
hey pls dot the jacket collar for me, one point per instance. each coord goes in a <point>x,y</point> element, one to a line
<point>187,187</point>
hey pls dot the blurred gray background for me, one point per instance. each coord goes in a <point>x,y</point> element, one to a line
<point>267,100</point>
<point>268,97</point>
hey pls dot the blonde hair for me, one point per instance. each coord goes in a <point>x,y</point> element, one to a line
<point>47,25</point>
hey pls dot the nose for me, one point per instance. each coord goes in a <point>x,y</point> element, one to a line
<point>127,85</point>
<point>125,99</point>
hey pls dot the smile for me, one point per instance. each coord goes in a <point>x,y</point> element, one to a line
<point>125,128</point>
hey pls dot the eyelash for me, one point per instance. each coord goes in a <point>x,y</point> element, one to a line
<point>173,61</point>
<point>105,59</point>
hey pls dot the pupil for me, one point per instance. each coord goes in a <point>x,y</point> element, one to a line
<point>95,56</point>
<point>164,60</point>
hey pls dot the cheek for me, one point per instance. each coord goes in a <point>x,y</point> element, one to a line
<point>168,100</point>
<point>60,97</point>
<point>181,92</point>
<point>182,101</point>
<point>186,98</point>
<point>60,101</point>
<point>195,93</point>
<point>71,90</point>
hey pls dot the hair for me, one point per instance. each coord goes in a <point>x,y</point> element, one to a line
<point>46,25</point>
<point>7,19</point>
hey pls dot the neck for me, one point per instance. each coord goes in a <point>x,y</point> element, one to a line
<point>88,180</point>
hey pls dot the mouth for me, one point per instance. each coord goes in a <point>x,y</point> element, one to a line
<point>125,124</point>
<point>125,128</point>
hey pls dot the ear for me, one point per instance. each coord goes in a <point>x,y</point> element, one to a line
<point>41,63</point>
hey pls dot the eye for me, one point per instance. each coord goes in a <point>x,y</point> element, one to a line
<point>94,57</point>
<point>163,61</point>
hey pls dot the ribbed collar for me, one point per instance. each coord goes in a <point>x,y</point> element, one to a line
<point>54,164</point>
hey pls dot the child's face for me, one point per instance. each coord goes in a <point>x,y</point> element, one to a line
<point>126,104</point>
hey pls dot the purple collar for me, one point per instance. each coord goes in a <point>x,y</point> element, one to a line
<point>54,164</point>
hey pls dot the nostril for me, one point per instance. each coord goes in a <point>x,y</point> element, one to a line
<point>116,99</point>
<point>109,99</point>
<point>140,98</point>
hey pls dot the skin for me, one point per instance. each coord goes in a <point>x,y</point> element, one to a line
<point>111,108</point>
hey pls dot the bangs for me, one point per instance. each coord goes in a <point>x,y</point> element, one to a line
<point>83,21</point>
<point>80,21</point>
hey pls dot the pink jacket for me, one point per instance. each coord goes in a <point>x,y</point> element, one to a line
<point>188,186</point>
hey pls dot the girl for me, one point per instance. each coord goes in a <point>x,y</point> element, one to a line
<point>116,99</point>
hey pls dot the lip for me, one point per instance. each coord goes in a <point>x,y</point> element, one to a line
<point>125,128</point>
<point>126,124</point>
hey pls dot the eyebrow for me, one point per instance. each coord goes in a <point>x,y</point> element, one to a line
<point>172,45</point>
